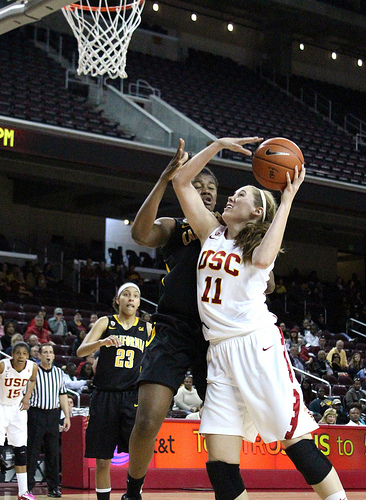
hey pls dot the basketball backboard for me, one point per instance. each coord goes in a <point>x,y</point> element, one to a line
<point>15,13</point>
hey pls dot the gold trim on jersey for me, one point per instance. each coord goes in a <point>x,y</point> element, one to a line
<point>149,340</point>
<point>115,316</point>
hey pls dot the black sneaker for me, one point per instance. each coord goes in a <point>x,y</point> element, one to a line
<point>55,493</point>
<point>125,497</point>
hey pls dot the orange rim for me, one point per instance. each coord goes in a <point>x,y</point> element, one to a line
<point>104,9</point>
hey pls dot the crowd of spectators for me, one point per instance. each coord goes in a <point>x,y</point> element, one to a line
<point>315,340</point>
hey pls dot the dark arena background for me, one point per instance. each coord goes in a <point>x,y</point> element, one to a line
<point>79,154</point>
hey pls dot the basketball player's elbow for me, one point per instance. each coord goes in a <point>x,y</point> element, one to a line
<point>261,261</point>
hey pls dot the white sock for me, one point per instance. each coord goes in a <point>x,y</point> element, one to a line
<point>103,490</point>
<point>340,495</point>
<point>22,483</point>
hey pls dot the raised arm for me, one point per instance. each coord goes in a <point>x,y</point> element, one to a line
<point>201,220</point>
<point>266,252</point>
<point>146,230</point>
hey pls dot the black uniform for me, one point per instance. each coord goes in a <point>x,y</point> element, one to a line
<point>113,403</point>
<point>177,342</point>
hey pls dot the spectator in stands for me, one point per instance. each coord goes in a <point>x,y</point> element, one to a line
<point>342,417</point>
<point>78,341</point>
<point>284,330</point>
<point>320,366</point>
<point>5,287</point>
<point>38,329</point>
<point>33,340</point>
<point>335,364</point>
<point>305,329</point>
<point>48,273</point>
<point>187,397</point>
<point>296,361</point>
<point>355,365</point>
<point>355,416</point>
<point>118,274</point>
<point>18,284</point>
<point>72,382</point>
<point>339,348</point>
<point>133,275</point>
<point>329,417</point>
<point>34,354</point>
<point>320,404</point>
<point>76,325</point>
<point>87,359</point>
<point>311,336</point>
<point>71,401</point>
<point>320,321</point>
<point>307,391</point>
<point>93,318</point>
<point>87,371</point>
<point>304,354</point>
<point>42,312</point>
<point>354,394</point>
<point>57,323</point>
<point>195,415</point>
<point>9,330</point>
<point>17,337</point>
<point>88,277</point>
<point>1,325</point>
<point>293,338</point>
<point>146,317</point>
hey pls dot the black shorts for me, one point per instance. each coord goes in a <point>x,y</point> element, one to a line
<point>178,345</point>
<point>111,419</point>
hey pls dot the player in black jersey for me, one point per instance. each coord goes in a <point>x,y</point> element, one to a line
<point>121,340</point>
<point>177,342</point>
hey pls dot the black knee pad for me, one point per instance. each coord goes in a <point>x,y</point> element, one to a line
<point>20,455</point>
<point>225,479</point>
<point>310,461</point>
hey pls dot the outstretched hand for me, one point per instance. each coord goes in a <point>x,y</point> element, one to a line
<point>236,144</point>
<point>293,186</point>
<point>178,160</point>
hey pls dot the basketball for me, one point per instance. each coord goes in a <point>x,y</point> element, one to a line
<point>272,159</point>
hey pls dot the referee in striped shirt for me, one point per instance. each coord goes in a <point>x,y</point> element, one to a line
<point>47,397</point>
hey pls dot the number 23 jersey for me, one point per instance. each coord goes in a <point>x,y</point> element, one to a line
<point>13,384</point>
<point>118,368</point>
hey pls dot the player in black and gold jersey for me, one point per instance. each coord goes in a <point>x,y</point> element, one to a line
<point>177,342</point>
<point>121,341</point>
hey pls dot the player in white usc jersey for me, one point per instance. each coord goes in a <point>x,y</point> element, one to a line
<point>17,381</point>
<point>250,378</point>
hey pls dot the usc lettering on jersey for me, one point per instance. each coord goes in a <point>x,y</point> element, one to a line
<point>223,280</point>
<point>13,384</point>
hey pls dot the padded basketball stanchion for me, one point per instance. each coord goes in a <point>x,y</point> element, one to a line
<point>103,33</point>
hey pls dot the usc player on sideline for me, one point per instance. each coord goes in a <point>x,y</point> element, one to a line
<point>121,341</point>
<point>17,375</point>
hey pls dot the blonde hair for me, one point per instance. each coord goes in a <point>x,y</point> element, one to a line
<point>329,411</point>
<point>253,232</point>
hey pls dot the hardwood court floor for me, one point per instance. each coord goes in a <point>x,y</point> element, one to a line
<point>193,495</point>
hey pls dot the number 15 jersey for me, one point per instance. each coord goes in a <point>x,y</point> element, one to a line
<point>13,384</point>
<point>118,368</point>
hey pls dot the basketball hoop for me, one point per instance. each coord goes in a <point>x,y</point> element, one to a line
<point>103,33</point>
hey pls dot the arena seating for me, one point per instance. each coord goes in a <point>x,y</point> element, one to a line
<point>32,87</point>
<point>222,96</point>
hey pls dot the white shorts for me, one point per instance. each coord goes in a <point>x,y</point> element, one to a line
<point>252,390</point>
<point>13,423</point>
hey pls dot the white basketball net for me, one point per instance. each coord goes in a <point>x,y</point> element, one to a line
<point>103,34</point>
